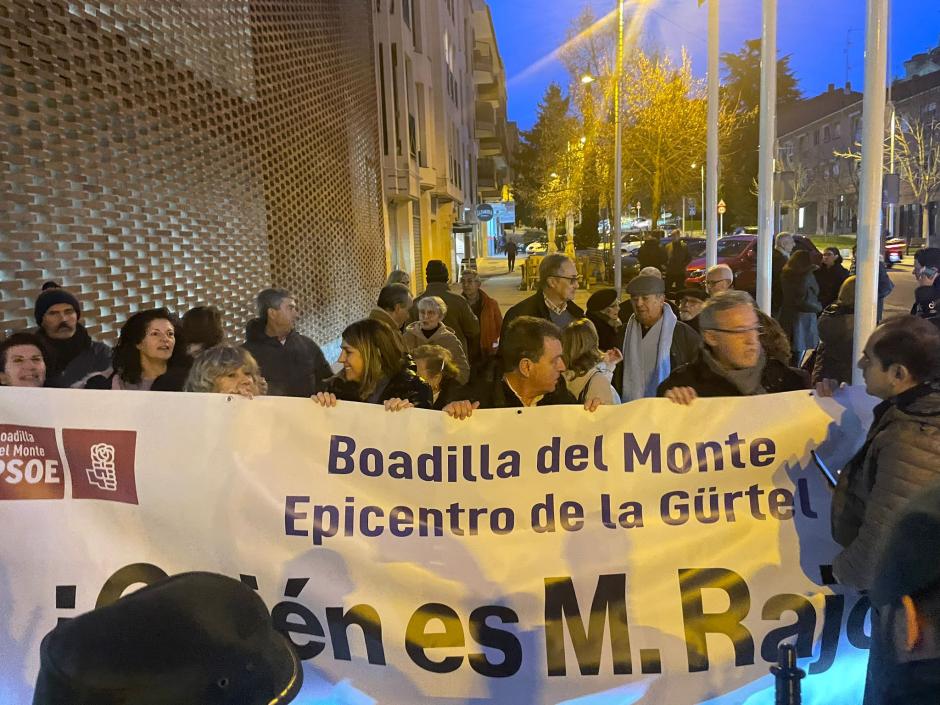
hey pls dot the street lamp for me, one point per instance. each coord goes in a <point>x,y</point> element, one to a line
<point>702,172</point>
<point>587,78</point>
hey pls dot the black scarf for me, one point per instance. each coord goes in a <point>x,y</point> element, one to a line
<point>62,352</point>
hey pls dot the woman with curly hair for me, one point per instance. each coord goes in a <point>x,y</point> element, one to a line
<point>150,355</point>
<point>226,369</point>
<point>375,371</point>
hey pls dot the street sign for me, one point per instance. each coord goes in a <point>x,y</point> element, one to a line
<point>484,212</point>
<point>721,207</point>
<point>692,209</point>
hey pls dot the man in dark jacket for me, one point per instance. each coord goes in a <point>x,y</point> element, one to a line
<point>677,259</point>
<point>651,253</point>
<point>459,316</point>
<point>511,251</point>
<point>74,357</point>
<point>291,363</point>
<point>393,309</point>
<point>927,293</point>
<point>731,363</point>
<point>558,282</point>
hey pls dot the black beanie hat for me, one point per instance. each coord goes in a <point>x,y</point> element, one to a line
<point>52,297</point>
<point>601,299</point>
<point>436,271</point>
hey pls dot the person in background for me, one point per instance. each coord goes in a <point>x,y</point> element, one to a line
<point>487,311</point>
<point>558,282</point>
<point>393,309</point>
<point>718,278</point>
<point>799,306</point>
<point>430,330</point>
<point>190,638</point>
<point>830,276</point>
<point>655,342</point>
<point>691,301</point>
<point>23,361</point>
<point>292,364</point>
<point>398,276</point>
<point>783,248</point>
<point>511,251</point>
<point>225,369</point>
<point>202,328</point>
<point>375,371</point>
<point>651,253</point>
<point>603,311</point>
<point>436,367</point>
<point>150,355</point>
<point>927,294</point>
<point>836,331</point>
<point>459,317</point>
<point>73,357</point>
<point>885,285</point>
<point>589,371</point>
<point>732,361</point>
<point>677,259</point>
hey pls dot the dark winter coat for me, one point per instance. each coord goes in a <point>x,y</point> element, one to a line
<point>776,377</point>
<point>927,302</point>
<point>535,306</point>
<point>73,362</point>
<point>651,254</point>
<point>405,384</point>
<point>799,308</point>
<point>778,261</point>
<point>459,318</point>
<point>294,368</point>
<point>684,348</point>
<point>608,337</point>
<point>834,353</point>
<point>899,459</point>
<point>498,395</point>
<point>677,258</point>
<point>172,380</point>
<point>830,281</point>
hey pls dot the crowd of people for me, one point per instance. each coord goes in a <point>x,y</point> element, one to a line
<point>457,352</point>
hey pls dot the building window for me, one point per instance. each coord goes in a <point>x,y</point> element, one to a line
<point>826,136</point>
<point>801,141</point>
<point>837,130</point>
<point>406,13</point>
<point>816,138</point>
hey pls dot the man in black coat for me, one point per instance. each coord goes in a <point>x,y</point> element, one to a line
<point>511,250</point>
<point>558,282</point>
<point>74,357</point>
<point>291,363</point>
<point>677,259</point>
<point>731,363</point>
<point>651,253</point>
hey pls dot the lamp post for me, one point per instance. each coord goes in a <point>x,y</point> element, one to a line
<point>711,158</point>
<point>618,175</point>
<point>702,212</point>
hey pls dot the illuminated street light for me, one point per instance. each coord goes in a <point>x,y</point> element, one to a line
<point>583,140</point>
<point>553,175</point>
<point>587,78</point>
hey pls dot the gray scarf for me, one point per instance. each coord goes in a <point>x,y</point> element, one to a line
<point>747,381</point>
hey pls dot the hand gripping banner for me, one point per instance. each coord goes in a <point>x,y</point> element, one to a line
<point>646,553</point>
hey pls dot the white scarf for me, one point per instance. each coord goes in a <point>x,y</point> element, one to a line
<point>637,381</point>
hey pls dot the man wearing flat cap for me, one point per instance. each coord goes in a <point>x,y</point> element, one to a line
<point>603,311</point>
<point>655,342</point>
<point>904,660</point>
<point>691,302</point>
<point>74,356</point>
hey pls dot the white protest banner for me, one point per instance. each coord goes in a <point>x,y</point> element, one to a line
<point>647,553</point>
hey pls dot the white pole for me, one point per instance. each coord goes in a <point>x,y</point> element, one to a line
<point>765,168</point>
<point>894,115</point>
<point>618,175</point>
<point>683,215</point>
<point>711,158</point>
<point>869,211</point>
<point>702,209</point>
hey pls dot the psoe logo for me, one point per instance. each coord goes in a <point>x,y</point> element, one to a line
<point>30,466</point>
<point>102,464</point>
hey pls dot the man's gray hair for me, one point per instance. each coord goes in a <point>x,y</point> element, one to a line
<point>726,272</point>
<point>722,301</point>
<point>426,302</point>
<point>270,298</point>
<point>550,266</point>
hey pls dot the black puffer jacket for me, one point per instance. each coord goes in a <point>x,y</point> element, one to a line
<point>294,368</point>
<point>405,384</point>
<point>776,377</point>
<point>834,353</point>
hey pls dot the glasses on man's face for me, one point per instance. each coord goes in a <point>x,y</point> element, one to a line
<point>739,331</point>
<point>712,282</point>
<point>572,280</point>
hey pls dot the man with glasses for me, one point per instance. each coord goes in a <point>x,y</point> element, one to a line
<point>719,278</point>
<point>558,282</point>
<point>731,362</point>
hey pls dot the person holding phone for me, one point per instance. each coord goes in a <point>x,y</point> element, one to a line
<point>927,294</point>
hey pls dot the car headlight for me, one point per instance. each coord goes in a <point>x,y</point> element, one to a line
<point>695,273</point>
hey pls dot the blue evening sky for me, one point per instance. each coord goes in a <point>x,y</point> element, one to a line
<point>813,32</point>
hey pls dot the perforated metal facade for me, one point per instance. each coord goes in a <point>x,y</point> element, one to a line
<point>187,152</point>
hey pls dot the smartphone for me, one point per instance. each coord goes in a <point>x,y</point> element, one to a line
<point>824,469</point>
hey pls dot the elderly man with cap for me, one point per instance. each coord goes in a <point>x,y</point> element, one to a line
<point>558,282</point>
<point>904,659</point>
<point>74,356</point>
<point>191,639</point>
<point>604,312</point>
<point>691,301</point>
<point>655,342</point>
<point>459,316</point>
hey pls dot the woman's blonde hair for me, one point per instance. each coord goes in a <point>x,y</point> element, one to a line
<point>579,343</point>
<point>382,355</point>
<point>437,358</point>
<point>218,361</point>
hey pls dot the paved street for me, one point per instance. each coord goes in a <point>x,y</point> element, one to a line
<point>902,298</point>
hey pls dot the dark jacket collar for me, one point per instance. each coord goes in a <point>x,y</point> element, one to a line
<point>255,333</point>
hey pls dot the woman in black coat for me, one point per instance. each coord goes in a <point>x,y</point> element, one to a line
<point>836,331</point>
<point>830,276</point>
<point>800,305</point>
<point>375,371</point>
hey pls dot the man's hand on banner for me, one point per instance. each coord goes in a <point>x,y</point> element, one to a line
<point>681,395</point>
<point>396,404</point>
<point>828,387</point>
<point>460,409</point>
<point>324,399</point>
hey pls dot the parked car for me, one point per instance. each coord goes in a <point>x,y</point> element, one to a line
<point>537,247</point>
<point>696,246</point>
<point>740,253</point>
<point>894,251</point>
<point>639,224</point>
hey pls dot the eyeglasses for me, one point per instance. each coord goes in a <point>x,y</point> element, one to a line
<point>712,282</point>
<point>738,331</point>
<point>561,276</point>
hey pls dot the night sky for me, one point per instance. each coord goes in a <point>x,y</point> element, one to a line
<point>813,32</point>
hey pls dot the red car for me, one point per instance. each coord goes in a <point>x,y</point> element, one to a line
<point>894,251</point>
<point>740,253</point>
